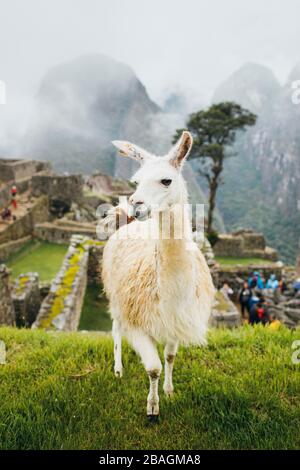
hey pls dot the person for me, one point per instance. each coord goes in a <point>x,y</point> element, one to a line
<point>260,280</point>
<point>226,290</point>
<point>296,286</point>
<point>6,214</point>
<point>255,281</point>
<point>282,285</point>
<point>13,192</point>
<point>244,299</point>
<point>259,312</point>
<point>272,283</point>
<point>254,299</point>
<point>252,281</point>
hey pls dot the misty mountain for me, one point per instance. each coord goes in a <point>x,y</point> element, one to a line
<point>81,106</point>
<point>262,183</point>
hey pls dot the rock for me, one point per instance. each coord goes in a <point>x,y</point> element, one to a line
<point>294,314</point>
<point>224,312</point>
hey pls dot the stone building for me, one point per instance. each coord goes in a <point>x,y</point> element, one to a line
<point>62,190</point>
<point>244,244</point>
<point>15,170</point>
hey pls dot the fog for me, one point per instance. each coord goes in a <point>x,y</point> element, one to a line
<point>191,45</point>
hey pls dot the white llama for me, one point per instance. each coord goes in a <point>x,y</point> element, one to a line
<point>159,288</point>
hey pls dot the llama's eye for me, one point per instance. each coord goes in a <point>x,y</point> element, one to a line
<point>166,182</point>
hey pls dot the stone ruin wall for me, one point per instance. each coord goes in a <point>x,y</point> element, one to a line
<point>61,231</point>
<point>7,313</point>
<point>66,188</point>
<point>24,225</point>
<point>9,248</point>
<point>244,244</point>
<point>229,246</point>
<point>26,299</point>
<point>14,170</point>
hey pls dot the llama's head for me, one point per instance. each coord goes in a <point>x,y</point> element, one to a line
<point>159,182</point>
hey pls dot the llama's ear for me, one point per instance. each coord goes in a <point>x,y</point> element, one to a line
<point>181,150</point>
<point>126,149</point>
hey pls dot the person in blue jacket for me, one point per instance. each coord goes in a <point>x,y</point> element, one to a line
<point>272,282</point>
<point>256,281</point>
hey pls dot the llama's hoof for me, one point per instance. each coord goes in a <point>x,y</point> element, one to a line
<point>153,418</point>
<point>152,409</point>
<point>169,390</point>
<point>118,373</point>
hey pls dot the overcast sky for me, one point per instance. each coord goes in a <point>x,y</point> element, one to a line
<point>193,44</point>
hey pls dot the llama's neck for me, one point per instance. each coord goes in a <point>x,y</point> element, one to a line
<point>175,235</point>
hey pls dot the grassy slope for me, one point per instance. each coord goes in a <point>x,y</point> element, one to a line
<point>42,257</point>
<point>242,391</point>
<point>228,261</point>
<point>95,315</point>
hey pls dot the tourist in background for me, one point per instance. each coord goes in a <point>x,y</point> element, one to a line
<point>252,281</point>
<point>272,283</point>
<point>13,192</point>
<point>259,312</point>
<point>296,286</point>
<point>260,280</point>
<point>6,214</point>
<point>282,286</point>
<point>226,290</point>
<point>256,281</point>
<point>244,299</point>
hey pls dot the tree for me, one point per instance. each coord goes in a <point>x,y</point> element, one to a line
<point>214,132</point>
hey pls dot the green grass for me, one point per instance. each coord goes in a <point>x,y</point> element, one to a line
<point>58,391</point>
<point>42,257</point>
<point>224,261</point>
<point>95,314</point>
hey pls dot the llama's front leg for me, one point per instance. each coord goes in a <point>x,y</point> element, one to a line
<point>146,348</point>
<point>116,332</point>
<point>169,353</point>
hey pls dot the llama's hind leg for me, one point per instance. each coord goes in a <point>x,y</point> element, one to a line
<point>146,348</point>
<point>116,332</point>
<point>169,353</point>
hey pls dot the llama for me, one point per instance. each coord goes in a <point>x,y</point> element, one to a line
<point>159,288</point>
